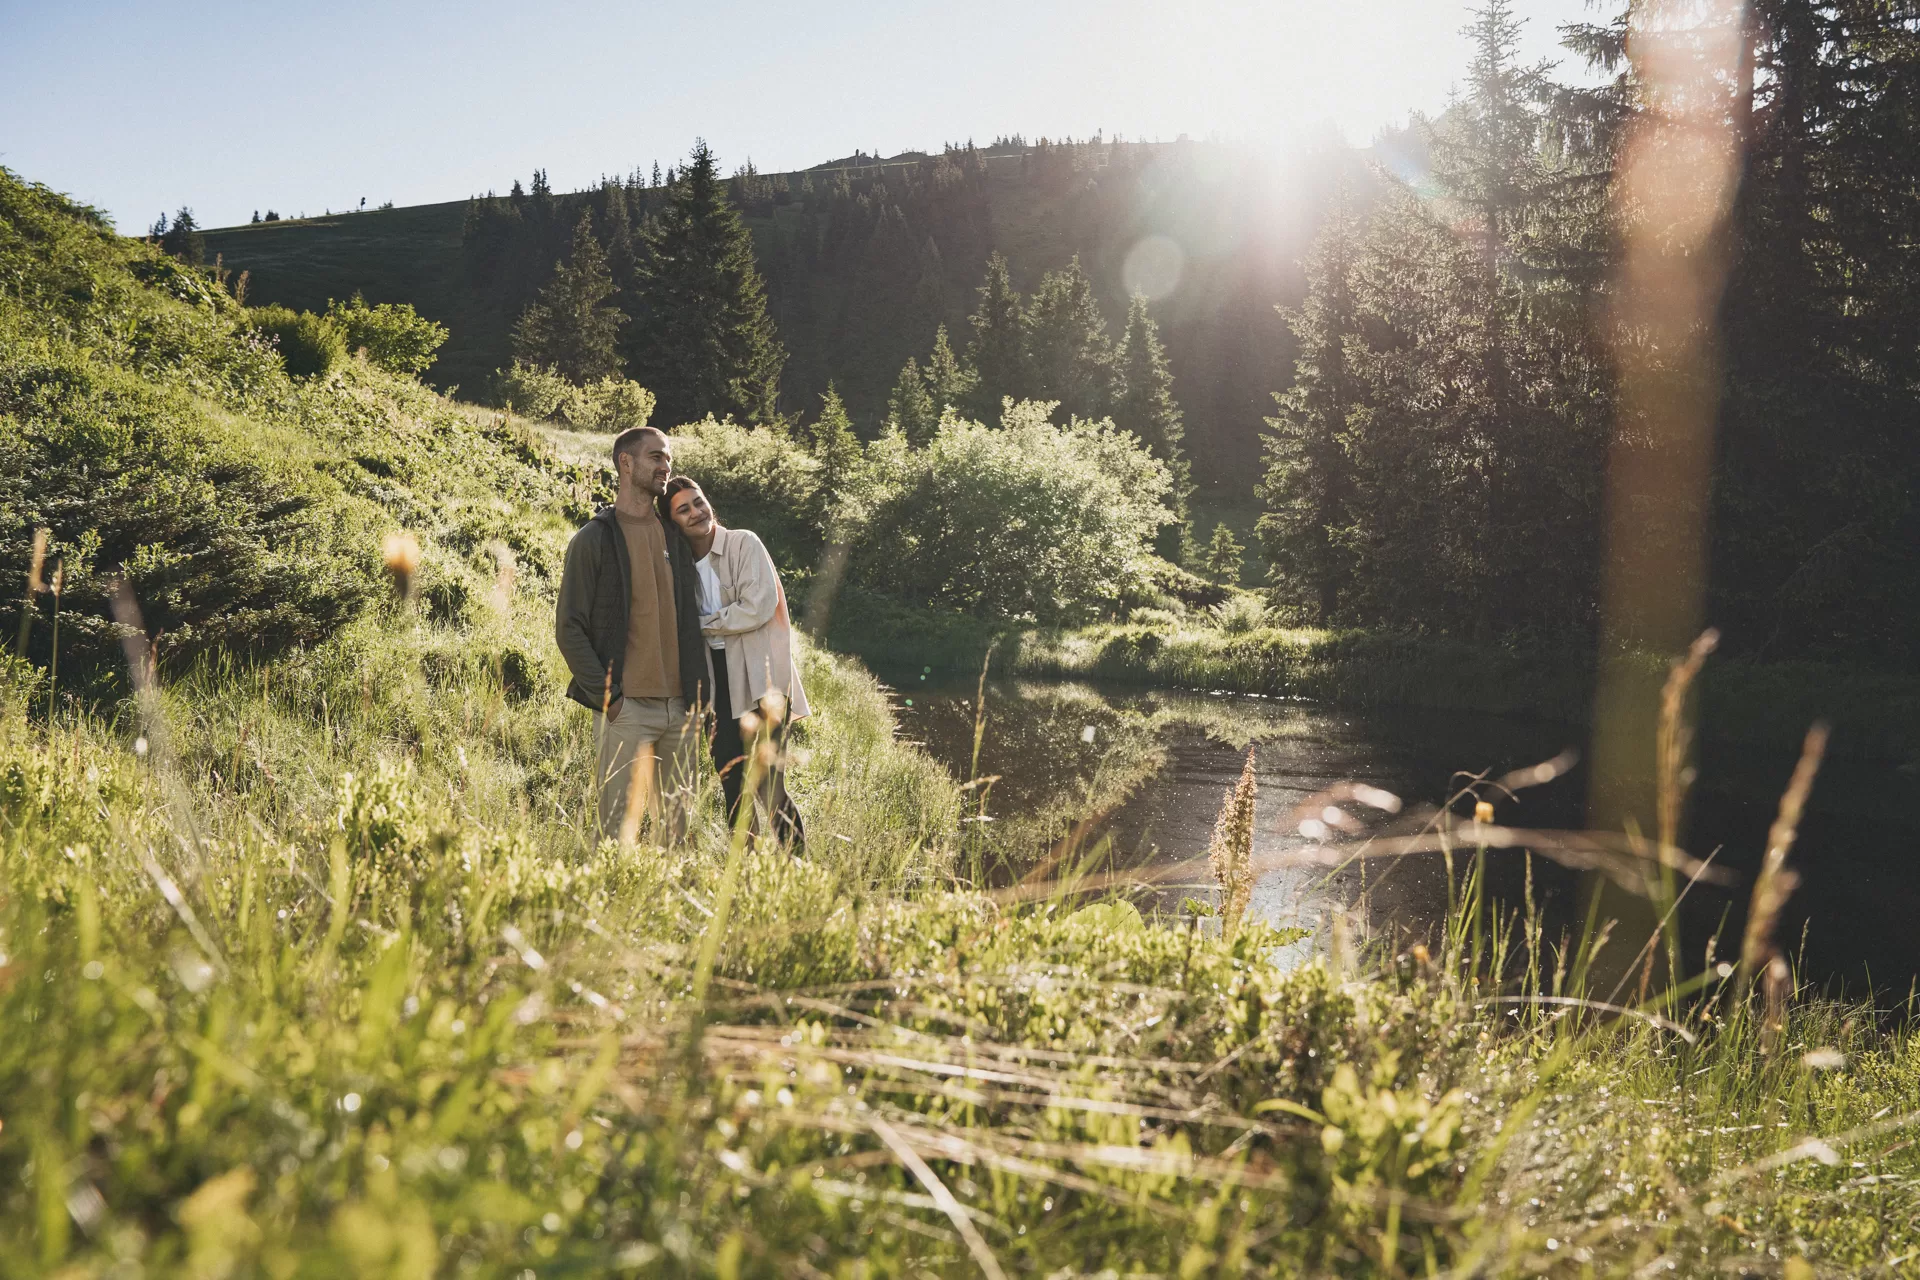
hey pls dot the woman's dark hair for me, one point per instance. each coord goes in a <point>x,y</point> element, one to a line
<point>664,503</point>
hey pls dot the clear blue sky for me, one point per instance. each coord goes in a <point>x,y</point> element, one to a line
<point>232,107</point>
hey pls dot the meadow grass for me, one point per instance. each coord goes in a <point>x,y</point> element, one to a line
<point>312,965</point>
<point>335,983</point>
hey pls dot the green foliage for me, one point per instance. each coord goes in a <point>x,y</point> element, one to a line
<point>1224,556</point>
<point>1439,460</point>
<point>148,423</point>
<point>950,383</point>
<point>571,327</point>
<point>911,409</point>
<point>1239,615</point>
<point>181,240</point>
<point>997,352</point>
<point>701,336</point>
<point>395,336</point>
<point>836,446</point>
<point>1437,463</point>
<point>1027,520</point>
<point>610,404</point>
<point>765,481</point>
<point>310,346</point>
<point>1308,486</point>
<point>1068,357</point>
<point>204,524</point>
<point>1143,400</point>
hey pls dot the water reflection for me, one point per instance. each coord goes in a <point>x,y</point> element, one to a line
<point>1136,777</point>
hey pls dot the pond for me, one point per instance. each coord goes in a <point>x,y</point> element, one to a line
<point>1133,778</point>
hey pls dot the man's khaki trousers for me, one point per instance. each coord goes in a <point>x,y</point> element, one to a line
<point>647,752</point>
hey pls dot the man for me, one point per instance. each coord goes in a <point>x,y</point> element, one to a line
<point>628,624</point>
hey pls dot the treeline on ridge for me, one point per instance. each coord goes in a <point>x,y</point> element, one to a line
<point>863,262</point>
<point>680,298</point>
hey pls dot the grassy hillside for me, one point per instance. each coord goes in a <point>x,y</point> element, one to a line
<point>310,966</point>
<point>390,255</point>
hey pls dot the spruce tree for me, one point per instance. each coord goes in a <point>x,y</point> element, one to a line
<point>835,444</point>
<point>950,383</point>
<point>1143,400</point>
<point>1308,483</point>
<point>617,235</point>
<point>570,327</point>
<point>911,409</point>
<point>182,240</point>
<point>701,335</point>
<point>998,352</point>
<point>540,200</point>
<point>1143,403</point>
<point>1068,357</point>
<point>1224,556</point>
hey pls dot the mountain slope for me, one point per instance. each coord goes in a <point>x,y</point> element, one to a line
<point>863,261</point>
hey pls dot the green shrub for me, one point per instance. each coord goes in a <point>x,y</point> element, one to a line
<point>1163,584</point>
<point>536,393</point>
<point>617,404</point>
<point>309,345</point>
<point>1027,521</point>
<point>1239,614</point>
<point>395,336</point>
<point>611,404</point>
<point>757,479</point>
<point>224,544</point>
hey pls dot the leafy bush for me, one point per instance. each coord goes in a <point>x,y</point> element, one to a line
<point>610,404</point>
<point>1163,584</point>
<point>616,404</point>
<point>537,393</point>
<point>1029,521</point>
<point>395,336</point>
<point>1239,614</point>
<point>222,545</point>
<point>309,345</point>
<point>757,479</point>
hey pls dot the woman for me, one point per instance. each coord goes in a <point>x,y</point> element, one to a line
<point>743,615</point>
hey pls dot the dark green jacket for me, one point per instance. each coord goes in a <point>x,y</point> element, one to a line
<point>590,618</point>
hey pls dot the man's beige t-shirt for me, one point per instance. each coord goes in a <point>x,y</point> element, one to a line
<point>653,633</point>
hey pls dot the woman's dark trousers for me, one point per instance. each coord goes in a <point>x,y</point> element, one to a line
<point>729,760</point>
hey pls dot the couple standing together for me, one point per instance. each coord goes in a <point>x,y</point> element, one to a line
<point>664,615</point>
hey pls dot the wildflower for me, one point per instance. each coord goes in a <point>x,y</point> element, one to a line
<point>1230,853</point>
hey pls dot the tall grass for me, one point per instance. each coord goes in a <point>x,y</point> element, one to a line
<point>311,963</point>
<point>358,996</point>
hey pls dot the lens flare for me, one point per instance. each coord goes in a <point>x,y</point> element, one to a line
<point>1154,267</point>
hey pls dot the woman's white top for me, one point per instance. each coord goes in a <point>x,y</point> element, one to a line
<point>708,583</point>
<point>752,621</point>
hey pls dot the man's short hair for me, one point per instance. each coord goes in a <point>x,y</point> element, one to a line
<point>630,441</point>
